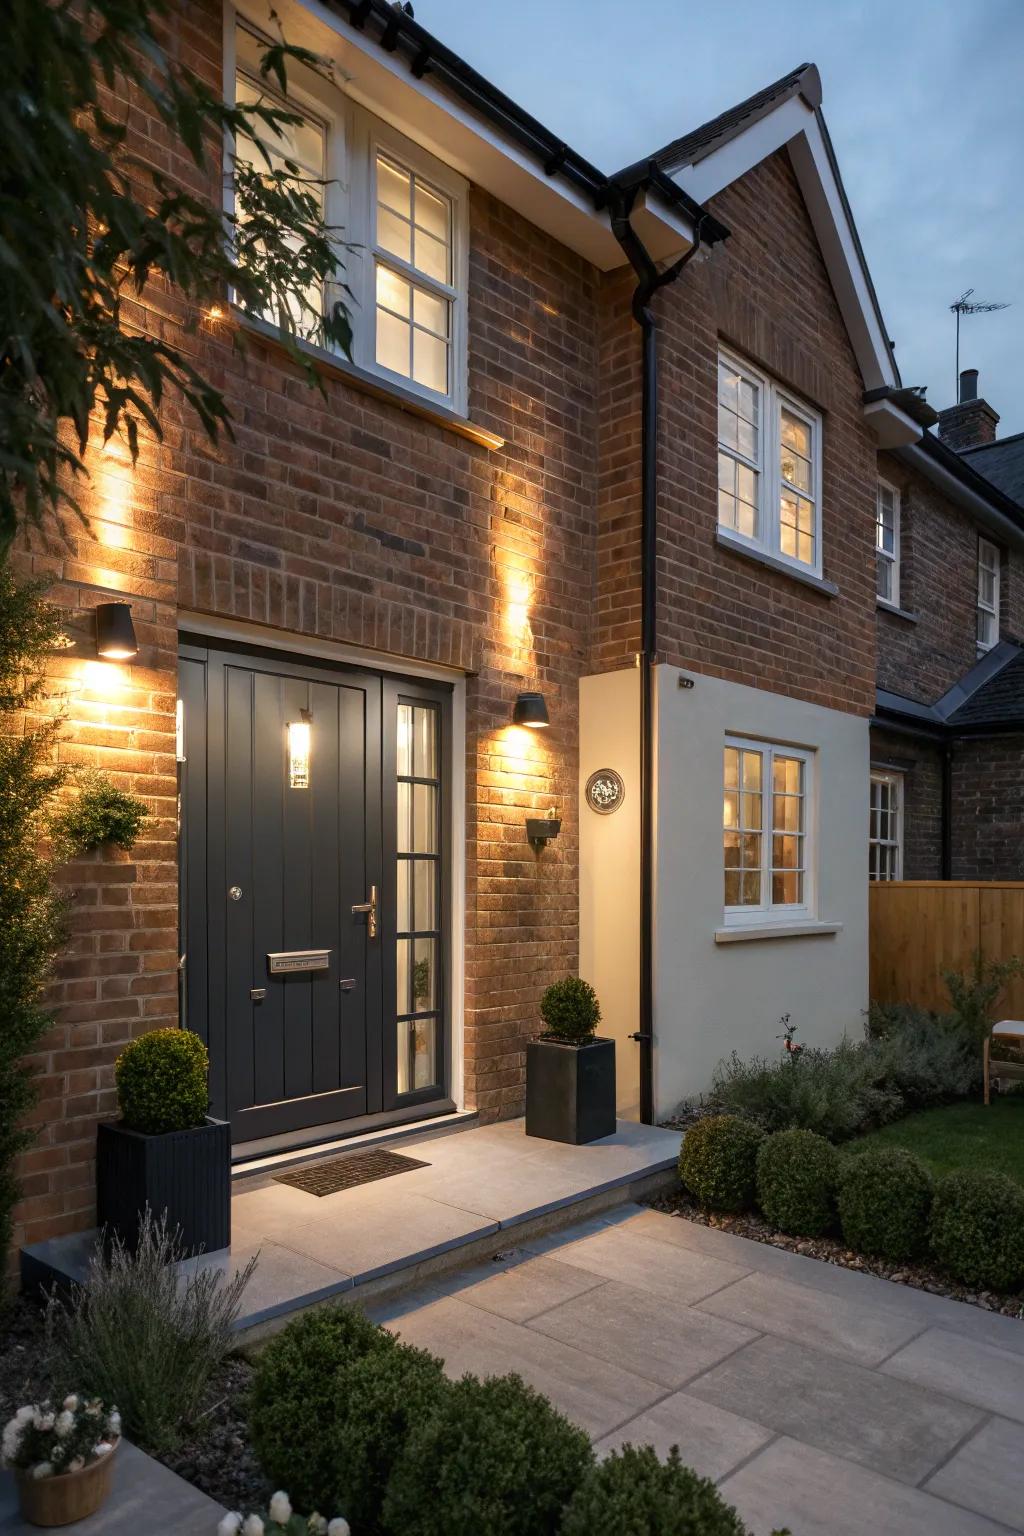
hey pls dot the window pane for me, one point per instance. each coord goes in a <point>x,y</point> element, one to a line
<point>431,212</point>
<point>787,775</point>
<point>731,816</point>
<point>430,361</point>
<point>787,889</point>
<point>393,186</point>
<point>417,1054</point>
<point>424,817</point>
<point>751,770</point>
<point>884,578</point>
<point>732,888</point>
<point>404,818</point>
<point>732,850</point>
<point>430,312</point>
<point>394,234</point>
<point>424,884</point>
<point>728,386</point>
<point>751,808</point>
<point>747,439</point>
<point>750,889</point>
<point>786,852</point>
<point>732,768</point>
<point>424,980</point>
<point>796,434</point>
<point>393,292</point>
<point>431,256</point>
<point>403,885</point>
<point>393,337</point>
<point>424,735</point>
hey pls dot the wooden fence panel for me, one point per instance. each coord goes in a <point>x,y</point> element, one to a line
<point>920,928</point>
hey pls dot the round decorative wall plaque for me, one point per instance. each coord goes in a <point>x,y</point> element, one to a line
<point>605,791</point>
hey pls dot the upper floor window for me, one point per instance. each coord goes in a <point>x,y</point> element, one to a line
<point>887,543</point>
<point>769,466</point>
<point>885,827</point>
<point>767,834</point>
<point>400,217</point>
<point>988,595</point>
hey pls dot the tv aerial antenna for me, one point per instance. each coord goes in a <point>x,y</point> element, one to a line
<point>965,305</point>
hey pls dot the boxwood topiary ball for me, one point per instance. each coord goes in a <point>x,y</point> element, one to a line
<point>797,1173</point>
<point>162,1081</point>
<point>885,1200</point>
<point>718,1161</point>
<point>632,1493</point>
<point>977,1228</point>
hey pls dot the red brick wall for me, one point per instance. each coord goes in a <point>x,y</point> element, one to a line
<point>346,519</point>
<point>988,809</point>
<point>765,292</point>
<point>921,766</point>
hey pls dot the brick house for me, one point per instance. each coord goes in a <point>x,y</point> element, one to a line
<point>947,744</point>
<point>344,616</point>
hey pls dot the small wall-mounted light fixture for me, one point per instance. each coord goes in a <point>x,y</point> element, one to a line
<point>299,738</point>
<point>531,710</point>
<point>115,632</point>
<point>540,830</point>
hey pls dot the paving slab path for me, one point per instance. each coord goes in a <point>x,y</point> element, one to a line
<point>818,1398</point>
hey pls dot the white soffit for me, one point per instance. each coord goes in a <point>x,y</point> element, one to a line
<point>798,127</point>
<point>430,116</point>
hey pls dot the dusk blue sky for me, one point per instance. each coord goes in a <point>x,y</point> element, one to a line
<point>924,102</point>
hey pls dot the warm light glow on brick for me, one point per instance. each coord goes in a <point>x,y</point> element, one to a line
<point>103,680</point>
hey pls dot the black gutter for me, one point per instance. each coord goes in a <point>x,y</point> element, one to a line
<point>650,278</point>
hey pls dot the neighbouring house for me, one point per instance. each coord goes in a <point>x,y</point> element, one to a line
<point>947,743</point>
<point>516,506</point>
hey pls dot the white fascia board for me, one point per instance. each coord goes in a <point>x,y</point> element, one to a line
<point>383,83</point>
<point>892,427</point>
<point>664,230</point>
<point>796,126</point>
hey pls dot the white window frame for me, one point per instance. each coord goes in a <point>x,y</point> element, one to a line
<point>896,781</point>
<point>353,136</point>
<point>770,484</point>
<point>991,611</point>
<point>768,911</point>
<point>881,554</point>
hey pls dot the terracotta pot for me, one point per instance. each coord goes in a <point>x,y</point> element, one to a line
<point>71,1496</point>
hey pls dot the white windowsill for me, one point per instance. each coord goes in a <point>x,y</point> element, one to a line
<point>798,930</point>
<point>374,384</point>
<point>896,611</point>
<point>739,546</point>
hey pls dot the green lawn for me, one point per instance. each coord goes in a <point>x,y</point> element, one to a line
<point>961,1136</point>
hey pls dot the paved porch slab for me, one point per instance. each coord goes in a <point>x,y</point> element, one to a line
<point>480,1188</point>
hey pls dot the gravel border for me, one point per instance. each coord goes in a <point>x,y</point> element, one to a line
<point>830,1250</point>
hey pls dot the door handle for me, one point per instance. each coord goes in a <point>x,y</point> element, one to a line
<point>370,908</point>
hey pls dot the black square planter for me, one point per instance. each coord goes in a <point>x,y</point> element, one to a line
<point>570,1090</point>
<point>186,1173</point>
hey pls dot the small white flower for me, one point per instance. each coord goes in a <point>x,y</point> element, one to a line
<point>56,1453</point>
<point>65,1423</point>
<point>280,1510</point>
<point>94,1409</point>
<point>230,1525</point>
<point>43,1421</point>
<point>253,1526</point>
<point>316,1525</point>
<point>102,1448</point>
<point>339,1527</point>
<point>42,1469</point>
<point>76,1463</point>
<point>114,1423</point>
<point>71,1402</point>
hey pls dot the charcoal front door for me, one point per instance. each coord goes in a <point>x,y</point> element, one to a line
<point>297,847</point>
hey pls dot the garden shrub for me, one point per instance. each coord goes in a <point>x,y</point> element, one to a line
<point>294,1397</point>
<point>838,1093</point>
<point>885,1200</point>
<point>797,1172</point>
<point>494,1459</point>
<point>100,814</point>
<point>926,1057</point>
<point>632,1493</point>
<point>977,1228</point>
<point>718,1161</point>
<point>140,1335</point>
<point>570,1011</point>
<point>380,1398</point>
<point>162,1081</point>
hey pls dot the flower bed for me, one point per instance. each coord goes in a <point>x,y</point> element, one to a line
<point>831,1250</point>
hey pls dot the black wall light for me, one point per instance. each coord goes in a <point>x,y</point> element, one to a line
<point>115,632</point>
<point>540,830</point>
<point>530,710</point>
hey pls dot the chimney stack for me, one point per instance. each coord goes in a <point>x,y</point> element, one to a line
<point>971,422</point>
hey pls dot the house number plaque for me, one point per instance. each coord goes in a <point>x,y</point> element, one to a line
<point>284,960</point>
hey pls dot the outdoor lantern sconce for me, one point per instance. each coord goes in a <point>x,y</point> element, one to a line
<point>540,830</point>
<point>530,710</point>
<point>115,632</point>
<point>299,733</point>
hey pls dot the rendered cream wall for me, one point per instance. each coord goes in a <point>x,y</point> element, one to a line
<point>713,998</point>
<point>610,869</point>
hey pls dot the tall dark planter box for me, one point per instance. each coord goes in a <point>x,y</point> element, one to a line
<point>186,1173</point>
<point>570,1090</point>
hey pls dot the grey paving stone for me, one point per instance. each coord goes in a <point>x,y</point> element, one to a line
<point>619,1254</point>
<point>963,1368</point>
<point>987,1474</point>
<point>929,1310</point>
<point>894,1426</point>
<point>381,1235</point>
<point>816,1494</point>
<point>281,1281</point>
<point>832,1323</point>
<point>522,1288</point>
<point>637,1331</point>
<point>595,1395</point>
<point>710,1440</point>
<point>146,1497</point>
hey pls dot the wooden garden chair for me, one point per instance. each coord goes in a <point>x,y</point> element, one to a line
<point>1007,1031</point>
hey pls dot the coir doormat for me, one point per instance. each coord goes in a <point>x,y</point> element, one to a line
<point>348,1172</point>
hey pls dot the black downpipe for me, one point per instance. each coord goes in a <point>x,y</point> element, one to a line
<point>650,279</point>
